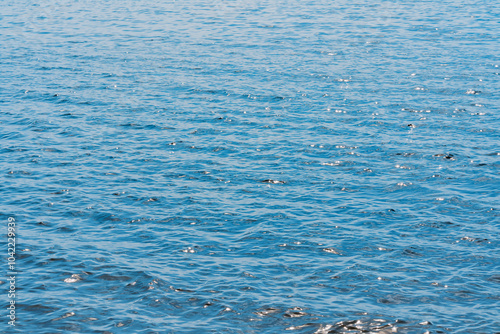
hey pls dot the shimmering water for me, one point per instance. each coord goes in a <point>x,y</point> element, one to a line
<point>252,166</point>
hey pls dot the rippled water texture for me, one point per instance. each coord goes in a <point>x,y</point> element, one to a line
<point>252,166</point>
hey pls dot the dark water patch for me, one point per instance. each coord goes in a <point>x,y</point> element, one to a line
<point>273,181</point>
<point>438,225</point>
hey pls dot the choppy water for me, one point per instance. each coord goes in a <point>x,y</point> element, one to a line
<point>252,166</point>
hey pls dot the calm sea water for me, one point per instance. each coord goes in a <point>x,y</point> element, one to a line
<point>251,166</point>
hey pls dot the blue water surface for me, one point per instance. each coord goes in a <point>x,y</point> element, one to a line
<point>246,166</point>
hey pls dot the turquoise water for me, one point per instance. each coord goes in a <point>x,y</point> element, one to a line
<point>251,167</point>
